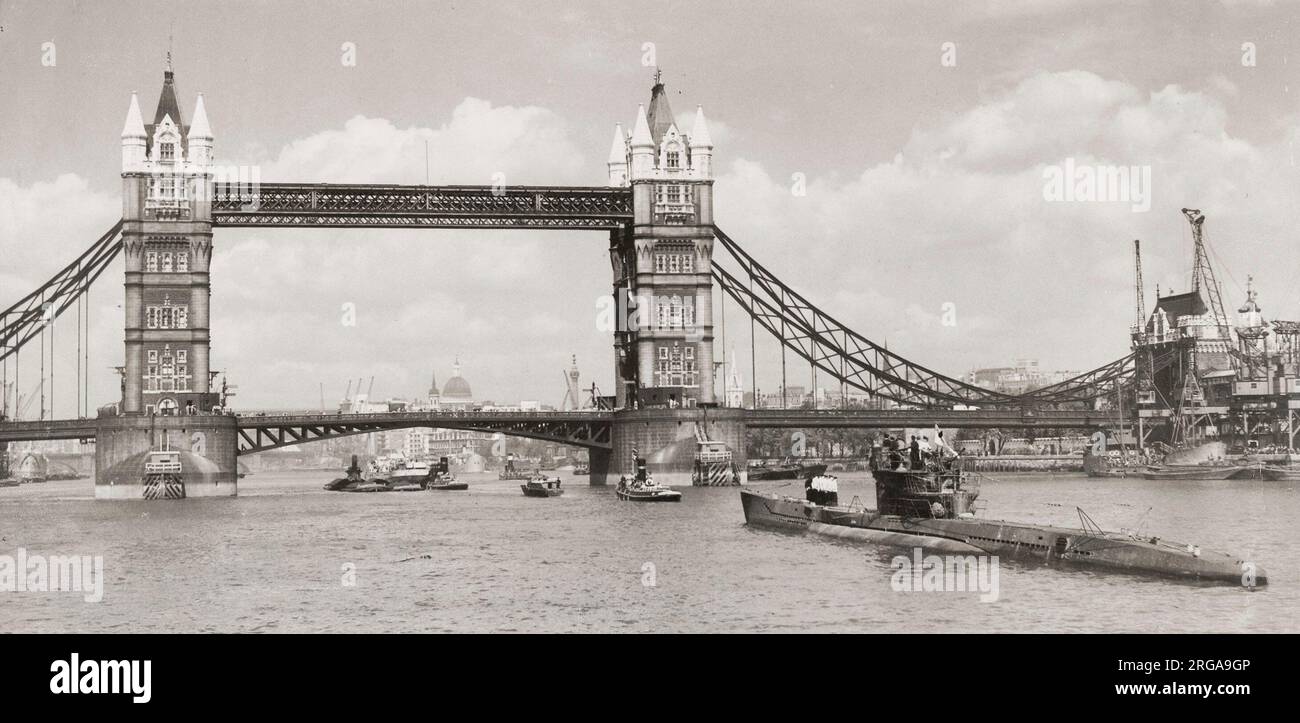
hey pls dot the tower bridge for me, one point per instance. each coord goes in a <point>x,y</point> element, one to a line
<point>666,252</point>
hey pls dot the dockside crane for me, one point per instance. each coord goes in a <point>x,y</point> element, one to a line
<point>1140,306</point>
<point>1203,273</point>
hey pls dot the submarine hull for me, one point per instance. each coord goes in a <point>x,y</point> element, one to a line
<point>1006,539</point>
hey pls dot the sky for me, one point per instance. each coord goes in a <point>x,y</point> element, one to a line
<point>924,134</point>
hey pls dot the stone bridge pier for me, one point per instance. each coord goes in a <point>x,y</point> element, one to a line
<point>666,439</point>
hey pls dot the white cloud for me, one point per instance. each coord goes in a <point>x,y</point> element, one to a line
<point>957,216</point>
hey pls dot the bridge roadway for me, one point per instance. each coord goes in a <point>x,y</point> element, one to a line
<point>260,431</point>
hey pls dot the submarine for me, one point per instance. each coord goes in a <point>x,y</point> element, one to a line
<point>931,506</point>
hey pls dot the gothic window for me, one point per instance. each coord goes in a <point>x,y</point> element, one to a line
<point>166,316</point>
<point>153,356</point>
<point>674,159</point>
<point>690,353</point>
<point>167,374</point>
<point>167,151</point>
<point>674,263</point>
<point>661,263</point>
<point>166,262</point>
<point>664,312</point>
<point>182,262</point>
<point>663,352</point>
<point>688,263</point>
<point>182,356</point>
<point>674,194</point>
<point>675,312</point>
<point>151,261</point>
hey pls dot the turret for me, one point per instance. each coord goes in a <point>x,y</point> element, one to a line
<point>618,158</point>
<point>701,145</point>
<point>133,138</point>
<point>200,136</point>
<point>643,146</point>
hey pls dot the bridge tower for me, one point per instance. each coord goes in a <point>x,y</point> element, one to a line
<point>662,265</point>
<point>167,239</point>
<point>167,186</point>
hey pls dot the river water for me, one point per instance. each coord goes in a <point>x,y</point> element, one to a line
<point>286,556</point>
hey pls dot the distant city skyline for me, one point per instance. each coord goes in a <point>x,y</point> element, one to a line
<point>875,176</point>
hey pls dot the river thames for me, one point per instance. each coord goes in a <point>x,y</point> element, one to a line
<point>287,556</point>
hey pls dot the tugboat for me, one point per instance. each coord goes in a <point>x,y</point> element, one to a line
<point>931,506</point>
<point>443,479</point>
<point>355,482</point>
<point>409,476</point>
<point>542,486</point>
<point>641,487</point>
<point>512,472</point>
<point>353,478</point>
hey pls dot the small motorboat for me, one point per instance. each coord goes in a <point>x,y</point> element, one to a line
<point>1193,471</point>
<point>785,470</point>
<point>9,482</point>
<point>1281,474</point>
<point>541,486</point>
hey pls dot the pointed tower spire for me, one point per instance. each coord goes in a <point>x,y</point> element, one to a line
<point>641,130</point>
<point>133,138</point>
<point>618,158</point>
<point>643,147</point>
<point>700,137</point>
<point>618,148</point>
<point>200,128</point>
<point>199,139</point>
<point>167,105</point>
<point>660,115</point>
<point>701,145</point>
<point>134,126</point>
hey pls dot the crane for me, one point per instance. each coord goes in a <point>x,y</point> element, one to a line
<point>1203,273</point>
<point>1140,321</point>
